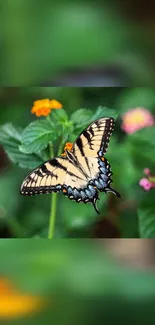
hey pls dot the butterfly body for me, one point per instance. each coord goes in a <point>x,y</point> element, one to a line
<point>82,173</point>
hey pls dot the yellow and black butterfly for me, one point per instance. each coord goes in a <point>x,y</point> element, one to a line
<point>82,173</point>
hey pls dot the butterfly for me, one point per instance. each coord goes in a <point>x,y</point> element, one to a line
<point>82,173</point>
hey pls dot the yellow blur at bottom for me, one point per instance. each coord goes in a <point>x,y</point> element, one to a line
<point>14,304</point>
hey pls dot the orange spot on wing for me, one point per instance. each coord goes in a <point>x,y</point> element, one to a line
<point>102,159</point>
<point>64,190</point>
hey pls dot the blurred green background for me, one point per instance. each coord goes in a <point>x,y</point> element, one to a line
<point>82,282</point>
<point>77,43</point>
<point>132,216</point>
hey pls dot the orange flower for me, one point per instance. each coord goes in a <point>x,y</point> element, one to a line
<point>55,104</point>
<point>14,304</point>
<point>43,107</point>
<point>68,146</point>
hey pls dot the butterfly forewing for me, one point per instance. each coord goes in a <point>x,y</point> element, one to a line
<point>47,178</point>
<point>94,140</point>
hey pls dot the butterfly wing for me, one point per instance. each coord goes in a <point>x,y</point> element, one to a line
<point>47,178</point>
<point>78,188</point>
<point>89,149</point>
<point>94,140</point>
<point>87,155</point>
<point>57,175</point>
<point>81,175</point>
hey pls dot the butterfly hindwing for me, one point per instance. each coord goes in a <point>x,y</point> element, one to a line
<point>98,180</point>
<point>104,178</point>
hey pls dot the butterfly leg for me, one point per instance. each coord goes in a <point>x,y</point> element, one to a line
<point>109,189</point>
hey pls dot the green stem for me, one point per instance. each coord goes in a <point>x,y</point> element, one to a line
<point>52,216</point>
<point>54,200</point>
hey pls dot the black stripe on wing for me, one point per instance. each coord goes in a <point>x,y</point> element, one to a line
<point>109,128</point>
<point>55,163</point>
<point>29,187</point>
<point>91,131</point>
<point>80,146</point>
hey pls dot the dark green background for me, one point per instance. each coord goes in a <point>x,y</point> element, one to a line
<point>58,43</point>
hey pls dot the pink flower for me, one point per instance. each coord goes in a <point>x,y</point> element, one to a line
<point>136,119</point>
<point>147,183</point>
<point>144,182</point>
<point>147,171</point>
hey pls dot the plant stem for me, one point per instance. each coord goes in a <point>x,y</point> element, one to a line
<point>54,200</point>
<point>52,216</point>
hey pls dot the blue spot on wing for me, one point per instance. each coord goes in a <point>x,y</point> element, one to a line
<point>103,170</point>
<point>92,189</point>
<point>90,192</point>
<point>83,195</point>
<point>104,177</point>
<point>58,187</point>
<point>76,194</point>
<point>101,163</point>
<point>97,182</point>
<point>103,184</point>
<point>100,153</point>
<point>70,190</point>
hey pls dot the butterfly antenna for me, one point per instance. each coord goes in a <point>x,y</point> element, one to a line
<point>95,206</point>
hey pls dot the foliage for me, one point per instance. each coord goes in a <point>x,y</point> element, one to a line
<point>26,141</point>
<point>79,278</point>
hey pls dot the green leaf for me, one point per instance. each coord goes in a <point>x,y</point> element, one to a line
<point>104,112</point>
<point>8,131</point>
<point>28,161</point>
<point>10,139</point>
<point>59,116</point>
<point>67,130</point>
<point>81,116</point>
<point>37,136</point>
<point>146,215</point>
<point>20,159</point>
